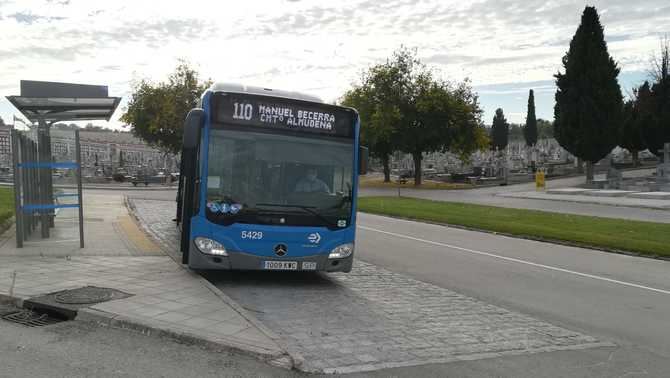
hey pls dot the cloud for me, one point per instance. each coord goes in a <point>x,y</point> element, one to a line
<point>64,53</point>
<point>517,88</point>
<point>505,46</point>
<point>29,18</point>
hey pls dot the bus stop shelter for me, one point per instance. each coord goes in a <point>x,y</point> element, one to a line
<point>43,104</point>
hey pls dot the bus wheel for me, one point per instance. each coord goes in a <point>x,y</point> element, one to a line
<point>185,251</point>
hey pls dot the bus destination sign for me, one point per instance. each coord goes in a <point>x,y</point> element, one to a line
<point>284,114</point>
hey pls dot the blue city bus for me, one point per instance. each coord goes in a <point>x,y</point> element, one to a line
<point>268,182</point>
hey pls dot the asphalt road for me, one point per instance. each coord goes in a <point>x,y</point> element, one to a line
<point>621,299</point>
<point>78,349</point>
<point>618,298</point>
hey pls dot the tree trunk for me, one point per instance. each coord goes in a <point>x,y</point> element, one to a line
<point>417,168</point>
<point>580,165</point>
<point>387,168</point>
<point>636,158</point>
<point>589,172</point>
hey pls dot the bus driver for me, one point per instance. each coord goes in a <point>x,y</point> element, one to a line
<point>311,184</point>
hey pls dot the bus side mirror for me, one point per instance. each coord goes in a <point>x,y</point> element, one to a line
<point>192,126</point>
<point>362,160</point>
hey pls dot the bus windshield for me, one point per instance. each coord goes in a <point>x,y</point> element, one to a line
<point>264,178</point>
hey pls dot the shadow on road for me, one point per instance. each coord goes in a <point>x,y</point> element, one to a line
<point>270,279</point>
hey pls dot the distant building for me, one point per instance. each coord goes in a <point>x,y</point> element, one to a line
<point>5,145</point>
<point>98,149</point>
<point>110,149</point>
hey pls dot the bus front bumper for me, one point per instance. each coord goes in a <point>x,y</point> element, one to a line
<point>245,261</point>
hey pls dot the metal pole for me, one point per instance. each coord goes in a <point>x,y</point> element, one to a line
<point>24,156</point>
<point>34,182</point>
<point>17,189</point>
<point>25,147</point>
<point>26,184</point>
<point>79,191</point>
<point>43,185</point>
<point>50,185</point>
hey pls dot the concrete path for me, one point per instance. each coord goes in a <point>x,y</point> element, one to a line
<point>628,200</point>
<point>165,297</point>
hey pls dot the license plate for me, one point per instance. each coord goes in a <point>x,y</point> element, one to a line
<point>280,265</point>
<point>309,265</point>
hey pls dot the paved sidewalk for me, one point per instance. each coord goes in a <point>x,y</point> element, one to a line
<point>657,204</point>
<point>507,196</point>
<point>165,297</point>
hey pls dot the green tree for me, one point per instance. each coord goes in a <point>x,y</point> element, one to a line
<point>633,125</point>
<point>530,130</point>
<point>516,132</point>
<point>545,129</point>
<point>589,104</point>
<point>404,107</point>
<point>156,112</point>
<point>440,117</point>
<point>378,98</point>
<point>499,131</point>
<point>656,107</point>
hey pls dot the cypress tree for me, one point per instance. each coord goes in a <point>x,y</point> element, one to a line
<point>530,131</point>
<point>589,104</point>
<point>499,130</point>
<point>656,104</point>
<point>631,133</point>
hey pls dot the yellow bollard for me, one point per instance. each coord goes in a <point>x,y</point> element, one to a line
<point>539,180</point>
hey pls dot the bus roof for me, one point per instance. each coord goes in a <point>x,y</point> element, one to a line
<point>240,88</point>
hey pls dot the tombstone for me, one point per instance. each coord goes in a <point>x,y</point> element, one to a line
<point>663,168</point>
<point>614,178</point>
<point>606,162</point>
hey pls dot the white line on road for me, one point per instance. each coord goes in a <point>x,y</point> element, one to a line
<point>517,260</point>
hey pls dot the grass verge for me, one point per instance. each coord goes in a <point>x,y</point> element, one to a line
<point>6,206</point>
<point>378,182</point>
<point>646,238</point>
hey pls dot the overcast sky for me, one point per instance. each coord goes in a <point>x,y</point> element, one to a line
<point>505,47</point>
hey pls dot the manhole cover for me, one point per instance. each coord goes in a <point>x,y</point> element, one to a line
<point>88,295</point>
<point>32,319</point>
<point>6,309</point>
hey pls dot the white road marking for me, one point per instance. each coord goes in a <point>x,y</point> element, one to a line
<point>549,267</point>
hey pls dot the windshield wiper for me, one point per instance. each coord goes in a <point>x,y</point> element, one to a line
<point>307,209</point>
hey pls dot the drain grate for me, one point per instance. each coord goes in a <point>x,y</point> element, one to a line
<point>30,318</point>
<point>88,295</point>
<point>6,309</point>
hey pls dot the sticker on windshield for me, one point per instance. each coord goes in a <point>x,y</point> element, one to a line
<point>213,207</point>
<point>342,223</point>
<point>224,208</point>
<point>235,208</point>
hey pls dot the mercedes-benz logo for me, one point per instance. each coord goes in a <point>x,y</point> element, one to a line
<point>280,249</point>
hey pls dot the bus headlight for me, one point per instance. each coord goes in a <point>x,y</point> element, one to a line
<point>210,247</point>
<point>342,251</point>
